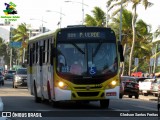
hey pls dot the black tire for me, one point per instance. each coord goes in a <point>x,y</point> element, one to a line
<point>137,96</point>
<point>121,96</point>
<point>156,95</point>
<point>55,103</point>
<point>36,98</point>
<point>104,103</point>
<point>2,83</point>
<point>145,94</point>
<point>130,96</point>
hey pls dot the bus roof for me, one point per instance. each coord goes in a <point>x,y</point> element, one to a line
<point>50,33</point>
<point>72,27</point>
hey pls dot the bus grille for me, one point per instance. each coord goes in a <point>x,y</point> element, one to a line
<point>86,94</point>
<point>97,87</point>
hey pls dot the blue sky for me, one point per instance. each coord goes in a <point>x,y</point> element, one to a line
<point>36,9</point>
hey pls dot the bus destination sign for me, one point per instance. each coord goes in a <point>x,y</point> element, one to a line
<point>85,35</point>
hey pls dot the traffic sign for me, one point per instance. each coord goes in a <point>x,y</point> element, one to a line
<point>136,61</point>
<point>15,44</point>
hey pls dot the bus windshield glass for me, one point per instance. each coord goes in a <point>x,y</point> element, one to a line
<point>86,59</point>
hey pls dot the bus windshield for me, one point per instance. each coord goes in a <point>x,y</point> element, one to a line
<point>87,59</point>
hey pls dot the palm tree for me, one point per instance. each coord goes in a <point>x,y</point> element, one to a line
<point>135,3</point>
<point>126,32</point>
<point>98,18</point>
<point>21,34</point>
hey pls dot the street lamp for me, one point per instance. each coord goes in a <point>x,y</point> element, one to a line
<point>82,3</point>
<point>59,23</point>
<point>41,21</point>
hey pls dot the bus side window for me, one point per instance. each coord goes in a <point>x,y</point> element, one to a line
<point>52,54</point>
<point>30,57</point>
<point>41,55</point>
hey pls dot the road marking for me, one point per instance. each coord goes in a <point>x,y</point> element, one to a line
<point>145,107</point>
<point>115,109</point>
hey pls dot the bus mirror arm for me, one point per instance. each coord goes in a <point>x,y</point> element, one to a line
<point>120,49</point>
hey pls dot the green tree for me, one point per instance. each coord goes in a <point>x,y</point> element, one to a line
<point>135,3</point>
<point>143,37</point>
<point>98,18</point>
<point>21,34</point>
<point>4,51</point>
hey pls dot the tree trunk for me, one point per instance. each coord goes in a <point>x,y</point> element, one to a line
<point>133,42</point>
<point>123,64</point>
<point>23,59</point>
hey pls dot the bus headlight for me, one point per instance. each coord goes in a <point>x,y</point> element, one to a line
<point>62,85</point>
<point>113,82</point>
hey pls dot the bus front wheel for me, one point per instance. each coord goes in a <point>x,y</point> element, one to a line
<point>104,103</point>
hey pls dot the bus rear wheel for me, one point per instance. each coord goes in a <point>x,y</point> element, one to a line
<point>104,103</point>
<point>36,98</point>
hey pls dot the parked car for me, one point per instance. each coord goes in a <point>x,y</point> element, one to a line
<point>20,78</point>
<point>9,74</point>
<point>155,86</point>
<point>1,79</point>
<point>129,86</point>
<point>145,86</point>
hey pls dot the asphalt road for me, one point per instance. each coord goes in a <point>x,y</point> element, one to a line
<point>19,100</point>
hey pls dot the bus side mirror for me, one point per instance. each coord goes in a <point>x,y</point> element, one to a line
<point>120,50</point>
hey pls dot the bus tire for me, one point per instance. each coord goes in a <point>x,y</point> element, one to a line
<point>48,90</point>
<point>36,98</point>
<point>55,103</point>
<point>136,96</point>
<point>121,96</point>
<point>104,103</point>
<point>130,96</point>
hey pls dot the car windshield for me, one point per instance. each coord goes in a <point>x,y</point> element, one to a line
<point>11,72</point>
<point>87,58</point>
<point>22,71</point>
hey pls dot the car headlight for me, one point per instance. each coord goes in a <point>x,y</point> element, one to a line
<point>62,85</point>
<point>17,78</point>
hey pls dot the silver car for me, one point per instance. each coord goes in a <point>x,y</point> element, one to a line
<point>20,78</point>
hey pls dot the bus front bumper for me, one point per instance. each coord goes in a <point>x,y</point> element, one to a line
<point>64,95</point>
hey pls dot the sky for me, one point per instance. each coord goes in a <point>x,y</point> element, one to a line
<point>33,12</point>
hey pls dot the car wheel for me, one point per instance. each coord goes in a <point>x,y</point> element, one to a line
<point>2,83</point>
<point>130,96</point>
<point>145,94</point>
<point>104,103</point>
<point>121,96</point>
<point>137,96</point>
<point>156,95</point>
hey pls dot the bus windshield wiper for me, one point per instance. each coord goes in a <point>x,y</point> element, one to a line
<point>97,48</point>
<point>78,48</point>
